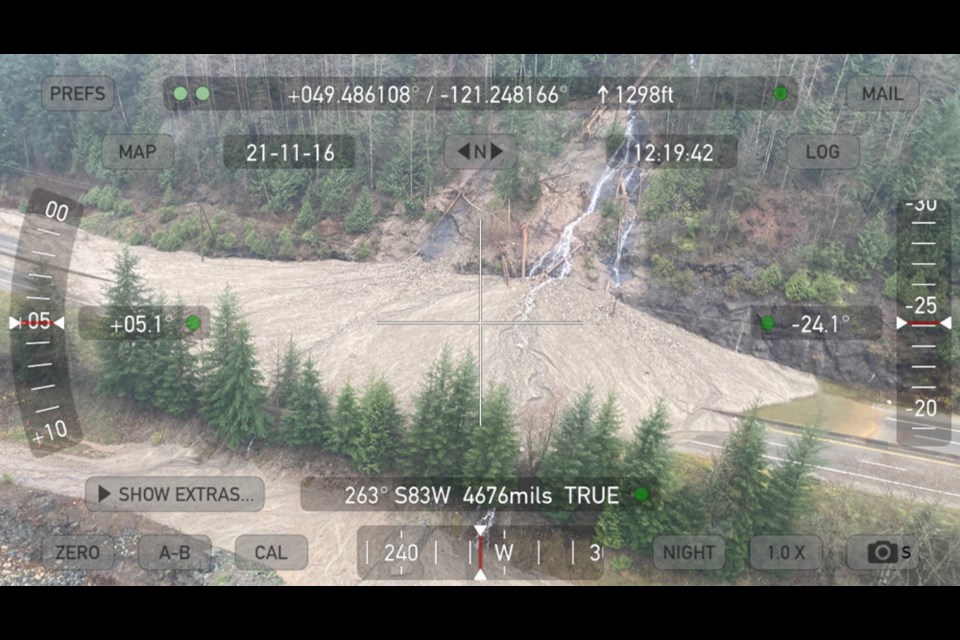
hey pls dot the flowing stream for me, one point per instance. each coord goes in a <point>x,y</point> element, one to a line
<point>557,263</point>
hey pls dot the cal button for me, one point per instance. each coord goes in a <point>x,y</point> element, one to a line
<point>256,553</point>
<point>78,93</point>
<point>138,151</point>
<point>883,93</point>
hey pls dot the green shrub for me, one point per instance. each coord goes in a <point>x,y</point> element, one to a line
<point>827,289</point>
<point>124,208</point>
<point>684,281</point>
<point>891,286</point>
<point>168,214</point>
<point>799,287</point>
<point>620,563</point>
<point>227,241</point>
<point>91,197</point>
<point>734,287</point>
<point>137,238</point>
<point>108,198</point>
<point>766,281</point>
<point>24,203</point>
<point>307,217</point>
<point>412,209</point>
<point>259,245</point>
<point>287,247</point>
<point>361,218</point>
<point>363,250</point>
<point>166,240</point>
<point>663,267</point>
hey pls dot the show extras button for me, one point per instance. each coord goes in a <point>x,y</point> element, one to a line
<point>137,151</point>
<point>689,553</point>
<point>278,552</point>
<point>160,493</point>
<point>174,552</point>
<point>78,93</point>
<point>883,93</point>
<point>480,151</point>
<point>823,151</point>
<point>91,552</point>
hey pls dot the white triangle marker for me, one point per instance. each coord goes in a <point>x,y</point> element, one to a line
<point>14,323</point>
<point>480,528</point>
<point>900,322</point>
<point>480,575</point>
<point>947,322</point>
<point>59,322</point>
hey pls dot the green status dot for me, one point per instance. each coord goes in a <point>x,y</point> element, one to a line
<point>642,494</point>
<point>781,93</point>
<point>203,93</point>
<point>767,323</point>
<point>193,323</point>
<point>180,93</point>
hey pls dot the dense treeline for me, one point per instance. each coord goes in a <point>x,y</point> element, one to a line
<point>809,235</point>
<point>739,496</point>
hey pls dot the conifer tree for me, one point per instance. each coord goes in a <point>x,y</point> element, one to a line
<point>426,447</point>
<point>647,464</point>
<point>736,490</point>
<point>346,423</point>
<point>121,362</point>
<point>605,445</point>
<point>571,459</point>
<point>790,488</point>
<point>494,447</point>
<point>177,381</point>
<point>286,380</point>
<point>307,418</point>
<point>234,396</point>
<point>381,426</point>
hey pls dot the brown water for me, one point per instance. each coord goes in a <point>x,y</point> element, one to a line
<point>839,407</point>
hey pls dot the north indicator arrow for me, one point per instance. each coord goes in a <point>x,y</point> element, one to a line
<point>494,150</point>
<point>465,151</point>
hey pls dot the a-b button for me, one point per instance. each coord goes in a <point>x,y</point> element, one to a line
<point>138,151</point>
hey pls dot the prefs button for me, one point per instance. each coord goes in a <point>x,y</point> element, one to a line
<point>77,93</point>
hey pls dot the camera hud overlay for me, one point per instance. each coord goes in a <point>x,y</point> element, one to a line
<point>443,319</point>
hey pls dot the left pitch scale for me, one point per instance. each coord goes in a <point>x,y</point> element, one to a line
<point>37,324</point>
